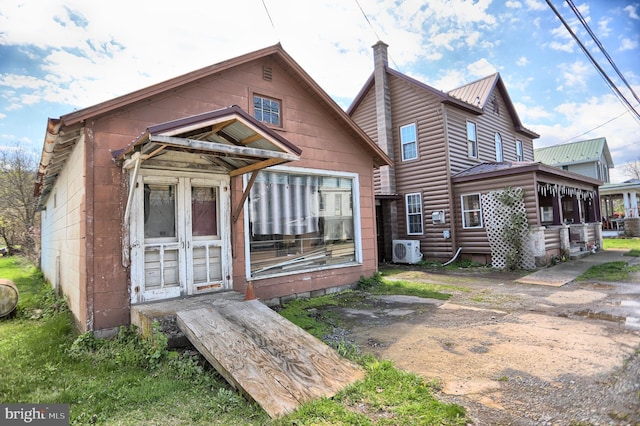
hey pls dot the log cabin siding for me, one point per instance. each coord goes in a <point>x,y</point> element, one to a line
<point>428,174</point>
<point>475,240</point>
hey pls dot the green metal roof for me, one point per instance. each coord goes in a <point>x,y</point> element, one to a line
<point>574,153</point>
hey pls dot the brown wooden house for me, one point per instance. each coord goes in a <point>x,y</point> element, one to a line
<point>454,154</point>
<point>243,171</point>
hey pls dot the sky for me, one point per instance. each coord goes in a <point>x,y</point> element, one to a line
<point>58,56</point>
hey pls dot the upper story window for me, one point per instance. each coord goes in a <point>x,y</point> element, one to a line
<point>499,156</point>
<point>471,211</point>
<point>267,110</point>
<point>409,142</point>
<point>414,213</point>
<point>472,140</point>
<point>519,156</point>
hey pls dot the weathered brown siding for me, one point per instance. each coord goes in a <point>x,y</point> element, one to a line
<point>324,142</point>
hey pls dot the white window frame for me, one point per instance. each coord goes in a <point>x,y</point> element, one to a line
<point>357,221</point>
<point>472,142</point>
<point>519,152</point>
<point>403,142</point>
<point>499,147</point>
<point>407,214</point>
<point>479,210</point>
<point>272,100</point>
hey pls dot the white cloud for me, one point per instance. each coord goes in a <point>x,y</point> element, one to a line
<point>513,4</point>
<point>530,114</point>
<point>631,10</point>
<point>627,44</point>
<point>575,75</point>
<point>536,5</point>
<point>481,68</point>
<point>522,61</point>
<point>603,27</point>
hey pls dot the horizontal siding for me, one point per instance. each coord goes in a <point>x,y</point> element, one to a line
<point>475,240</point>
<point>428,174</point>
<point>487,124</point>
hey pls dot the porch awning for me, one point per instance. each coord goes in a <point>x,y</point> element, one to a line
<point>229,138</point>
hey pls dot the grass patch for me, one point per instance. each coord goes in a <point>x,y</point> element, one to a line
<point>382,285</point>
<point>387,396</point>
<point>621,243</point>
<point>611,271</point>
<point>126,380</point>
<point>130,380</point>
<point>633,253</point>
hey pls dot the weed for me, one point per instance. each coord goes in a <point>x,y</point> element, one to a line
<point>368,283</point>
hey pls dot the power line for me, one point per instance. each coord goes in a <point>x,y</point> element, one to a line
<point>603,74</point>
<point>367,19</point>
<point>601,47</point>
<point>269,16</point>
<point>597,127</point>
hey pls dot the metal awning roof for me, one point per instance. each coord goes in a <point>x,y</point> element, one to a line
<point>229,138</point>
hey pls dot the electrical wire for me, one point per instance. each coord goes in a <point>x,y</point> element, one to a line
<point>576,11</point>
<point>603,74</point>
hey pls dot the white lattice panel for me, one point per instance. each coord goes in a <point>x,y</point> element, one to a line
<point>498,219</point>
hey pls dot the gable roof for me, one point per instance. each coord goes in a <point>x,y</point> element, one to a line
<point>463,97</point>
<point>442,96</point>
<point>62,134</point>
<point>240,142</point>
<point>478,93</point>
<point>574,153</point>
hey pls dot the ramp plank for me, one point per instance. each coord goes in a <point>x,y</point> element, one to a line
<point>269,359</point>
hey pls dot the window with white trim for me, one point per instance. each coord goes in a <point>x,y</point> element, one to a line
<point>301,220</point>
<point>472,140</point>
<point>519,155</point>
<point>471,211</point>
<point>499,156</point>
<point>408,140</point>
<point>267,110</point>
<point>413,203</point>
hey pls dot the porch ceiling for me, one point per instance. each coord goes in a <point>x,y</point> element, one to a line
<point>228,138</point>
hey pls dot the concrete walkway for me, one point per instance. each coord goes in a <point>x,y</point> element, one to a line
<point>565,272</point>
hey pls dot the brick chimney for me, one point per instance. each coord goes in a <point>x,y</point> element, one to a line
<point>383,115</point>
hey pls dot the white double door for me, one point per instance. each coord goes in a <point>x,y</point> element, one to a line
<point>180,235</point>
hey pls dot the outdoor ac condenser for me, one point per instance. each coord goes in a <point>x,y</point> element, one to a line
<point>406,251</point>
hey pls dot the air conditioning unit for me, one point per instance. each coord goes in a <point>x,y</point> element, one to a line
<point>406,251</point>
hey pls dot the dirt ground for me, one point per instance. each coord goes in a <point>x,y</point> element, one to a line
<point>514,354</point>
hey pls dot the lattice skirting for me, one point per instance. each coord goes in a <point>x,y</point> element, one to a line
<point>499,225</point>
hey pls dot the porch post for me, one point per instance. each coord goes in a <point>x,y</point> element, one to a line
<point>577,210</point>
<point>634,204</point>
<point>557,211</point>
<point>627,206</point>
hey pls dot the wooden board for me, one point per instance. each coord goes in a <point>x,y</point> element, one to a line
<point>265,356</point>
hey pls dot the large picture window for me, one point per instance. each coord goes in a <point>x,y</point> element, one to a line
<point>471,211</point>
<point>414,213</point>
<point>300,221</point>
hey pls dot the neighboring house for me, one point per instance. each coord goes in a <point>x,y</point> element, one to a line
<point>454,155</point>
<point>620,207</point>
<point>165,192</point>
<point>590,158</point>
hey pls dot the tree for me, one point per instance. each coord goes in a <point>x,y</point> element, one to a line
<point>17,202</point>
<point>632,169</point>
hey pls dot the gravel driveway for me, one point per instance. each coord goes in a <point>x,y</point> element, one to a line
<point>511,353</point>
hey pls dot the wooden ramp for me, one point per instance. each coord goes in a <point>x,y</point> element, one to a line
<point>265,356</point>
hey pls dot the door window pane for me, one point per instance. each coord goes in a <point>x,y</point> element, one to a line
<point>159,211</point>
<point>204,210</point>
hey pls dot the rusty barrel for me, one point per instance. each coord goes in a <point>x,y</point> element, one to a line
<point>8,297</point>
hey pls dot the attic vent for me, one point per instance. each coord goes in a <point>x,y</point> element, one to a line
<point>267,73</point>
